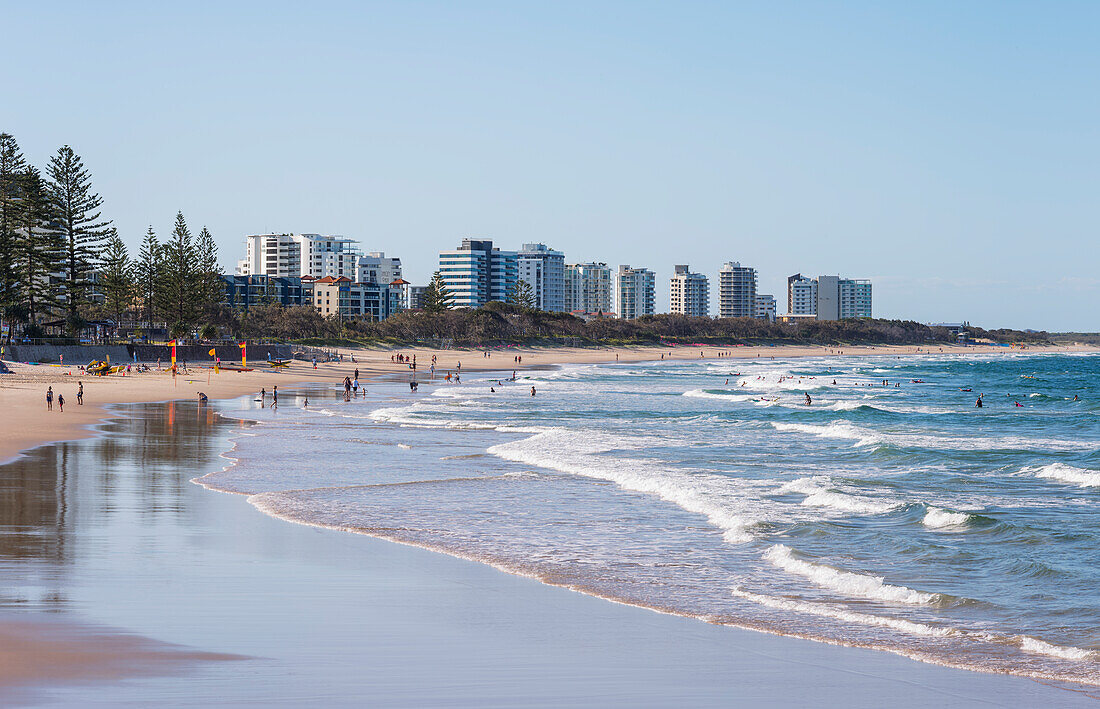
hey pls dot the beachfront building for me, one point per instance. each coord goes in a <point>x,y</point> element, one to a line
<point>414,297</point>
<point>764,308</point>
<point>477,273</point>
<point>689,293</point>
<point>299,255</point>
<point>544,270</point>
<point>588,288</point>
<point>243,292</point>
<point>634,291</point>
<point>855,298</point>
<point>801,295</point>
<point>736,291</point>
<point>375,267</point>
<point>829,297</point>
<point>346,299</point>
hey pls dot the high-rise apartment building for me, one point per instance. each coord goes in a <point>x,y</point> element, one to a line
<point>544,270</point>
<point>476,273</point>
<point>764,308</point>
<point>634,290</point>
<point>736,290</point>
<point>828,297</point>
<point>375,267</point>
<point>588,288</point>
<point>689,293</point>
<point>298,256</point>
<point>801,295</point>
<point>855,298</point>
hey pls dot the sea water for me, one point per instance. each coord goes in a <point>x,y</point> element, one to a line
<point>902,518</point>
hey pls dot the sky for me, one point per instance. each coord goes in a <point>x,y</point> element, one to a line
<point>948,151</point>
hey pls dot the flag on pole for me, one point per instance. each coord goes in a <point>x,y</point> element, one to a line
<point>244,351</point>
<point>212,352</point>
<point>173,343</point>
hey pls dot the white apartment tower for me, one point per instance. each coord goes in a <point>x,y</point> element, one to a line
<point>476,273</point>
<point>544,270</point>
<point>634,289</point>
<point>689,293</point>
<point>588,288</point>
<point>298,256</point>
<point>736,291</point>
<point>376,268</point>
<point>801,295</point>
<point>764,308</point>
<point>829,297</point>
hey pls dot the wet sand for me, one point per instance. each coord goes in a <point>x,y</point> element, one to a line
<point>109,533</point>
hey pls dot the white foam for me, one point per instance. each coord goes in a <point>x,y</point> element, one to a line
<point>837,429</point>
<point>818,494</point>
<point>576,452</point>
<point>939,518</point>
<point>1029,644</point>
<point>849,503</point>
<point>1069,474</point>
<point>866,437</point>
<point>846,405</point>
<point>847,582</point>
<point>806,486</point>
<point>827,611</point>
<point>705,394</point>
<point>1026,643</point>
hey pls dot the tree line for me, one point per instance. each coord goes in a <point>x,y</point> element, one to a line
<point>60,260</point>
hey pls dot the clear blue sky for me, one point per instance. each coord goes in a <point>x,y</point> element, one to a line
<point>949,151</point>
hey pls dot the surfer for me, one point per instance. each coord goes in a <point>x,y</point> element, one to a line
<point>809,401</point>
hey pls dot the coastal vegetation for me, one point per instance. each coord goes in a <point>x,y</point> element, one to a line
<point>62,263</point>
<point>508,323</point>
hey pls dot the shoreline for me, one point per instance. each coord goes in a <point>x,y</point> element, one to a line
<point>414,626</point>
<point>25,424</point>
<point>397,535</point>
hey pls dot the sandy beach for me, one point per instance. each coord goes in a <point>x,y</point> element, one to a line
<point>125,584</point>
<point>25,421</point>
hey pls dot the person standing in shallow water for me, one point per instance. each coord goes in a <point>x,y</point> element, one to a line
<point>275,396</point>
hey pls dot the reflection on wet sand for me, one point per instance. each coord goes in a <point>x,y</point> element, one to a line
<point>64,507</point>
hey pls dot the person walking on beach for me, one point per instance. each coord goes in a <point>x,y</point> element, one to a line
<point>275,396</point>
<point>61,402</point>
<point>49,399</point>
<point>80,394</point>
<point>315,361</point>
<point>356,374</point>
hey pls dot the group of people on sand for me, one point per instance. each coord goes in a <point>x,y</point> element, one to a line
<point>61,398</point>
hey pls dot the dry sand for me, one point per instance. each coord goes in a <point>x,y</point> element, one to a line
<point>26,423</point>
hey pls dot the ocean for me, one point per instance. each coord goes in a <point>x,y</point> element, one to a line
<point>899,517</point>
